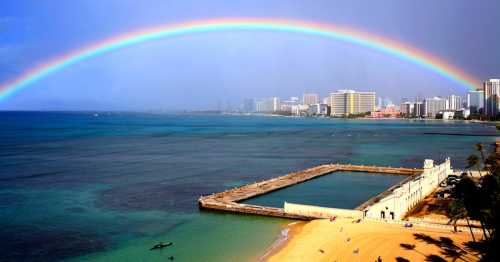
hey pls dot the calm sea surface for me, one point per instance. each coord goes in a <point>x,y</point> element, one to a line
<point>108,187</point>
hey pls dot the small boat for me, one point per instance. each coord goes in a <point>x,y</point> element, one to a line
<point>161,245</point>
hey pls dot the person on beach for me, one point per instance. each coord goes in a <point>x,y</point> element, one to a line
<point>348,240</point>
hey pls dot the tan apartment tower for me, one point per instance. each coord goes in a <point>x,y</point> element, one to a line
<point>310,99</point>
<point>348,102</point>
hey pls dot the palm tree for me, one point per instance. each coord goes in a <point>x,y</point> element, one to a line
<point>481,200</point>
<point>457,211</point>
<point>480,148</point>
<point>473,161</point>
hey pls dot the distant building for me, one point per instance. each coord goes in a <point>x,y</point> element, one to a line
<point>475,101</point>
<point>347,102</point>
<point>387,102</point>
<point>446,114</point>
<point>386,112</point>
<point>261,106</point>
<point>406,109</point>
<point>379,102</point>
<point>492,97</point>
<point>248,105</point>
<point>462,113</point>
<point>418,110</point>
<point>318,109</point>
<point>432,106</point>
<point>310,99</point>
<point>454,102</point>
<point>300,110</point>
<point>268,105</point>
<point>286,105</point>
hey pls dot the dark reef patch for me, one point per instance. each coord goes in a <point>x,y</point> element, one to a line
<point>30,243</point>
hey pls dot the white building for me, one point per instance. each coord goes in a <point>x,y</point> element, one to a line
<point>318,109</point>
<point>248,105</point>
<point>446,114</point>
<point>475,101</point>
<point>347,102</point>
<point>286,105</point>
<point>310,98</point>
<point>432,106</point>
<point>407,195</point>
<point>267,105</point>
<point>462,113</point>
<point>492,97</point>
<point>454,102</point>
<point>379,103</point>
<point>300,110</point>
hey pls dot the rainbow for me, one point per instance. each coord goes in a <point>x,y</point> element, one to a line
<point>335,32</point>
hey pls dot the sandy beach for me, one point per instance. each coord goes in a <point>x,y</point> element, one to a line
<point>343,240</point>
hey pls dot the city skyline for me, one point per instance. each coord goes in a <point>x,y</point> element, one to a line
<point>223,67</point>
<point>483,101</point>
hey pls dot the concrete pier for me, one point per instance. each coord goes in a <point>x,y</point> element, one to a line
<point>228,200</point>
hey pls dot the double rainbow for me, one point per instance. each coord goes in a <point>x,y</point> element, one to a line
<point>350,35</point>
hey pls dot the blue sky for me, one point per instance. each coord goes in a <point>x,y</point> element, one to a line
<point>199,71</point>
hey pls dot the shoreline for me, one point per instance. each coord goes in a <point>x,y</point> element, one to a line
<point>286,234</point>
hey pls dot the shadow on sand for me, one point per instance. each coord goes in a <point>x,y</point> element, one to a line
<point>448,249</point>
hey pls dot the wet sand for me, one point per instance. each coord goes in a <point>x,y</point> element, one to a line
<point>292,229</point>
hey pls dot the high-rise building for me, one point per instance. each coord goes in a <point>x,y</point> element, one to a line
<point>267,105</point>
<point>475,101</point>
<point>406,108</point>
<point>454,102</point>
<point>418,109</point>
<point>310,99</point>
<point>347,102</point>
<point>491,97</point>
<point>387,102</point>
<point>261,106</point>
<point>276,104</point>
<point>286,105</point>
<point>300,110</point>
<point>248,105</point>
<point>432,106</point>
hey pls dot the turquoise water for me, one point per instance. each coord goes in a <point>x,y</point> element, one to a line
<point>338,189</point>
<point>106,188</point>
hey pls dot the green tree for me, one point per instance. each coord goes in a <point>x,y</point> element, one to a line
<point>457,211</point>
<point>473,161</point>
<point>480,148</point>
<point>481,200</point>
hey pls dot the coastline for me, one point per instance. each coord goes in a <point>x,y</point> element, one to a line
<point>473,121</point>
<point>287,233</point>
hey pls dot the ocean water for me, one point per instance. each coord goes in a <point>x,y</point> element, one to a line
<point>106,187</point>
